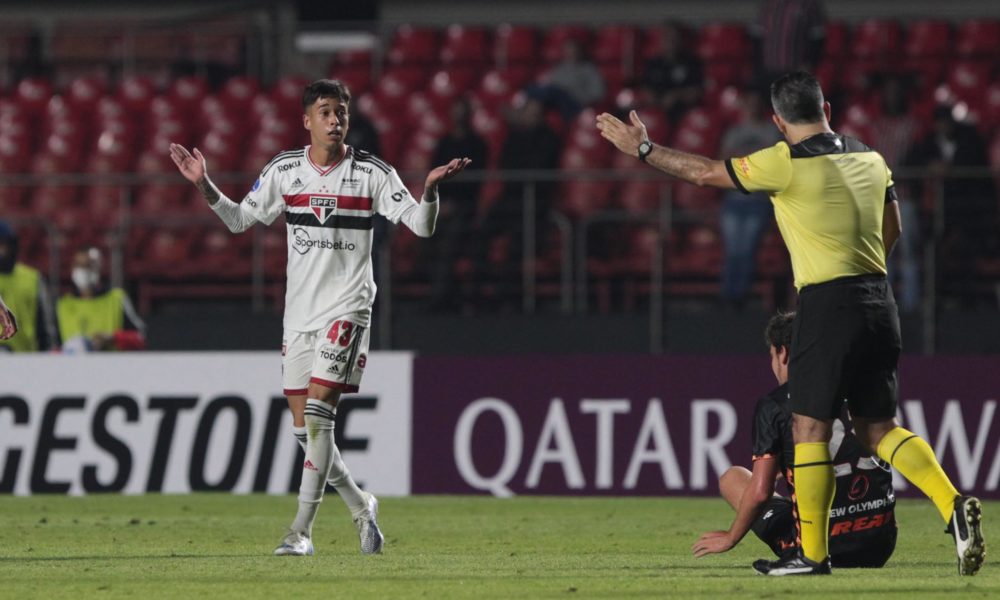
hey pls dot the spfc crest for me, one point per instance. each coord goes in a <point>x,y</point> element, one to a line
<point>323,207</point>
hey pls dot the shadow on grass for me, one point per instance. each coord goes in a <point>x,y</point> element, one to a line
<point>33,559</point>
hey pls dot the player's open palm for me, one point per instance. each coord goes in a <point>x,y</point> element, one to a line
<point>446,172</point>
<point>192,167</point>
<point>8,324</point>
<point>712,542</point>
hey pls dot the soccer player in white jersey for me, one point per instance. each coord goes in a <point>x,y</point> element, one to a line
<point>329,193</point>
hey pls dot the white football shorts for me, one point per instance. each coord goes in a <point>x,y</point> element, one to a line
<point>334,356</point>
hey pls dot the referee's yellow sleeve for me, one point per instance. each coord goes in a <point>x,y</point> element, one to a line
<point>767,170</point>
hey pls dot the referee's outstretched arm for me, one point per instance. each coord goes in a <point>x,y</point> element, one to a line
<point>699,170</point>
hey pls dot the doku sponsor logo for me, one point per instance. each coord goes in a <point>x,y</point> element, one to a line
<point>303,243</point>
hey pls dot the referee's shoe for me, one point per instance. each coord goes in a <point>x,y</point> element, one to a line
<point>966,526</point>
<point>795,564</point>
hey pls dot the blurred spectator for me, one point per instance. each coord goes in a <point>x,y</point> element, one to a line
<point>530,145</point>
<point>969,203</point>
<point>458,211</point>
<point>571,85</point>
<point>675,79</point>
<point>25,293</point>
<point>894,131</point>
<point>745,216</point>
<point>95,317</point>
<point>362,134</point>
<point>790,35</point>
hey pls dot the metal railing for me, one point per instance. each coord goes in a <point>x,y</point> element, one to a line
<point>575,247</point>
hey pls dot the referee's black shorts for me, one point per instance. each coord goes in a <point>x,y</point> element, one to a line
<point>845,345</point>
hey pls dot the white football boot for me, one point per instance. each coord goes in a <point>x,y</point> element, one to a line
<point>368,531</point>
<point>295,544</point>
<point>966,526</point>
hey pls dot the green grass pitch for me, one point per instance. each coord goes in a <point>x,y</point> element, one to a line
<point>219,546</point>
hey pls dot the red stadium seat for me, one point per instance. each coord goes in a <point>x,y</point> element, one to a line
<point>58,204</point>
<point>615,44</point>
<point>497,86</point>
<point>877,42</point>
<point>287,93</point>
<point>160,253</point>
<point>928,38</point>
<point>653,44</point>
<point>723,41</point>
<point>239,92</point>
<point>424,116</point>
<point>698,132</point>
<point>465,45</point>
<point>14,153</point>
<point>584,136</point>
<point>446,84</point>
<point>493,130</point>
<point>358,78</point>
<point>701,254</point>
<point>395,85</point>
<point>723,73</point>
<point>515,45</point>
<point>223,255</point>
<point>979,38</point>
<point>583,196</point>
<point>33,95</point>
<point>413,45</point>
<point>111,154</point>
<point>188,92</point>
<point>136,93</point>
<point>84,92</point>
<point>419,152</point>
<point>969,80</point>
<point>836,45</point>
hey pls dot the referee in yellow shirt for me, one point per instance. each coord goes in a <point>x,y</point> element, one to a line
<point>836,208</point>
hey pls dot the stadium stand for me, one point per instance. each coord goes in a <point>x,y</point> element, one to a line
<point>115,128</point>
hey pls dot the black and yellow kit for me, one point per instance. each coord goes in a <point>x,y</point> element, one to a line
<point>829,193</point>
<point>862,521</point>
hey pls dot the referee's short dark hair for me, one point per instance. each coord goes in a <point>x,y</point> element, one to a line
<point>325,88</point>
<point>797,98</point>
<point>779,330</point>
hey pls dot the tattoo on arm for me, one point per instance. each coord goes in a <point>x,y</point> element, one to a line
<point>689,167</point>
<point>208,190</point>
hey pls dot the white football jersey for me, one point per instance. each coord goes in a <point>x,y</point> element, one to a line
<point>328,214</point>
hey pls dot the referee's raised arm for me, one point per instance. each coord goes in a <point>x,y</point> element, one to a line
<point>634,141</point>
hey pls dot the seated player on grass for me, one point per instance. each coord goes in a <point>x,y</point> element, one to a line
<point>862,524</point>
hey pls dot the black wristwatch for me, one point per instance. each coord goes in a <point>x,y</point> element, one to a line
<point>645,147</point>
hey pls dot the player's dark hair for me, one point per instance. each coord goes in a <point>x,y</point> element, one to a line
<point>325,88</point>
<point>797,98</point>
<point>779,330</point>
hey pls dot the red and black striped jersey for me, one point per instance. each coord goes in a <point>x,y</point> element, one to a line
<point>329,213</point>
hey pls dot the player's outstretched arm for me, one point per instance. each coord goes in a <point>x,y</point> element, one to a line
<point>443,173</point>
<point>422,218</point>
<point>8,323</point>
<point>758,491</point>
<point>193,167</point>
<point>195,170</point>
<point>692,168</point>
